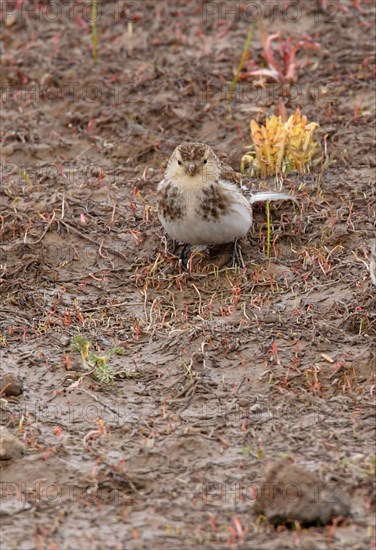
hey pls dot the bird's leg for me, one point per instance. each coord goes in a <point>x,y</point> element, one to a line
<point>236,256</point>
<point>184,255</point>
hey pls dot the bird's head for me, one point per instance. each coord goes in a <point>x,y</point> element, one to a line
<point>193,164</point>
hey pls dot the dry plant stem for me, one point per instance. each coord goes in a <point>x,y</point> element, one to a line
<point>93,241</point>
<point>268,229</point>
<point>94,36</point>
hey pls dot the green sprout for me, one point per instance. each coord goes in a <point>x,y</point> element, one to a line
<point>99,365</point>
<point>241,64</point>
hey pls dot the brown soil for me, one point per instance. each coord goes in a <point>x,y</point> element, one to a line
<point>233,368</point>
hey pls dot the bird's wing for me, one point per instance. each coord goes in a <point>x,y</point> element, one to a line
<point>228,174</point>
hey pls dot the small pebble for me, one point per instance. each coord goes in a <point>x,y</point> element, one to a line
<point>65,340</point>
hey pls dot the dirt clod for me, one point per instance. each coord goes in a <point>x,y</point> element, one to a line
<point>290,493</point>
<point>10,384</point>
<point>10,446</point>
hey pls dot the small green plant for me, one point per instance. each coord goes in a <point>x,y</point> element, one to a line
<point>25,177</point>
<point>99,364</point>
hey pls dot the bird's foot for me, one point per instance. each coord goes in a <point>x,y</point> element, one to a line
<point>185,255</point>
<point>236,259</point>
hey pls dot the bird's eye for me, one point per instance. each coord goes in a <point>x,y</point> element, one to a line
<point>205,161</point>
<point>179,162</point>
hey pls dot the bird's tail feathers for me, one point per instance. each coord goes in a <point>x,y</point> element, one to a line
<point>271,196</point>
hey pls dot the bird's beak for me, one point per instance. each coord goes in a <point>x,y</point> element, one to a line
<point>192,168</point>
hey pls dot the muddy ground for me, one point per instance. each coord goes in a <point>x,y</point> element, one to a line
<point>224,370</point>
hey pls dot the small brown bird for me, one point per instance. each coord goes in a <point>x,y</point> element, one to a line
<point>200,201</point>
